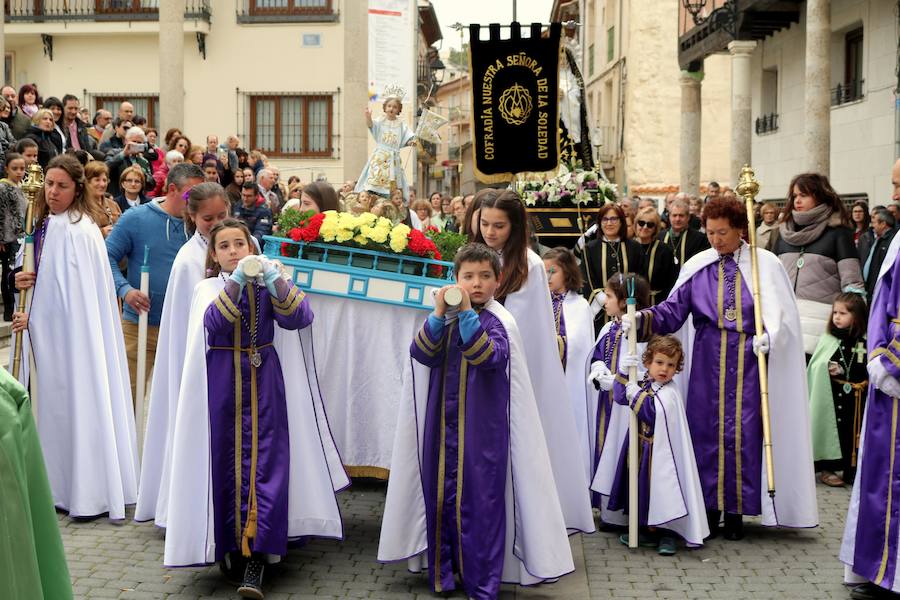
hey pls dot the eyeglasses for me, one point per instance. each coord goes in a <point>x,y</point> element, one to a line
<point>610,219</point>
<point>646,224</point>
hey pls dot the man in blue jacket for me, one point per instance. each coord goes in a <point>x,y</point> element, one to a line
<point>159,226</point>
<point>255,214</point>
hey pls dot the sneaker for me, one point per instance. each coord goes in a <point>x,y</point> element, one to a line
<point>253,576</point>
<point>668,546</point>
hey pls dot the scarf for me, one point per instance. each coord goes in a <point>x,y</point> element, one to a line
<point>812,224</point>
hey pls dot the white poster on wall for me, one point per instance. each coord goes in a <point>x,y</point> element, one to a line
<point>392,61</point>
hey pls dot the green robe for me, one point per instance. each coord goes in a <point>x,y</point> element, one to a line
<point>32,560</point>
<point>825,442</point>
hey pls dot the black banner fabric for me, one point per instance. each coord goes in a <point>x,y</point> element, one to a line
<point>515,107</point>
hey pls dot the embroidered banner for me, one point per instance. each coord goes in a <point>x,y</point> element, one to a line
<point>515,108</point>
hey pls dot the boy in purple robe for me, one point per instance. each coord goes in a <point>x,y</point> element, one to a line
<point>251,463</point>
<point>466,431</point>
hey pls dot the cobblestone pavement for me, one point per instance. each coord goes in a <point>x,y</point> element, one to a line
<point>123,560</point>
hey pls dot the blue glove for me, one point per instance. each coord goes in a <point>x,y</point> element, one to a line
<point>271,273</point>
<point>238,277</point>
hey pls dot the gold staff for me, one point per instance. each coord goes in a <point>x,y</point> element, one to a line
<point>748,187</point>
<point>31,185</point>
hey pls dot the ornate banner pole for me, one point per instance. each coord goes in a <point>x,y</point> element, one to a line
<point>748,188</point>
<point>31,185</point>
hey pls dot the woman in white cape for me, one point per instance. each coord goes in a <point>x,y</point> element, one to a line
<point>207,205</point>
<point>502,227</point>
<point>85,416</point>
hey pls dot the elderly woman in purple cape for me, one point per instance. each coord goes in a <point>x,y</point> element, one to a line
<point>711,310</point>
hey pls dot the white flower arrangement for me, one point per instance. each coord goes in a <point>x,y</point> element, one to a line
<point>581,188</point>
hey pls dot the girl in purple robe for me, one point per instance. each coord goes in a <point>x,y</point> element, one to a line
<point>250,464</point>
<point>610,346</point>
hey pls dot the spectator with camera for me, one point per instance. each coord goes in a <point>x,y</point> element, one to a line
<point>116,143</point>
<point>133,153</point>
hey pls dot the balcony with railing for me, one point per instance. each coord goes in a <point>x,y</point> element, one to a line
<point>850,91</point>
<point>286,11</point>
<point>767,124</point>
<point>33,11</point>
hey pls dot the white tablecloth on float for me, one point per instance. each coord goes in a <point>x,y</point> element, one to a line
<point>362,358</point>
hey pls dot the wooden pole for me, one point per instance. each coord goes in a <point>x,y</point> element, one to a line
<point>142,355</point>
<point>631,305</point>
<point>748,188</point>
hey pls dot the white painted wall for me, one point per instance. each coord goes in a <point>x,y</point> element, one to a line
<point>862,132</point>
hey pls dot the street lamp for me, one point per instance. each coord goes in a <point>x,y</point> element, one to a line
<point>694,7</point>
<point>436,66</point>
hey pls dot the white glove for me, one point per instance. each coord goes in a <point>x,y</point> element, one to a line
<point>627,361</point>
<point>598,370</point>
<point>890,386</point>
<point>627,322</point>
<point>761,344</point>
<point>606,382</point>
<point>877,372</point>
<point>632,391</point>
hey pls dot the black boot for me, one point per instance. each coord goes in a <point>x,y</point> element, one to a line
<point>712,518</point>
<point>232,567</point>
<point>734,527</point>
<point>870,591</point>
<point>253,577</point>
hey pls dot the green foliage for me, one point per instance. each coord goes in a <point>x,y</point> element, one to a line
<point>447,242</point>
<point>291,218</point>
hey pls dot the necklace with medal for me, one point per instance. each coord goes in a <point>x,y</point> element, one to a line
<point>730,288</point>
<point>845,364</point>
<point>255,356</point>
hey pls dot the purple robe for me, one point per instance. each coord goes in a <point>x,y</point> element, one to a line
<point>645,407</point>
<point>607,350</point>
<point>875,552</point>
<point>258,455</point>
<point>723,403</point>
<point>559,320</point>
<point>466,454</point>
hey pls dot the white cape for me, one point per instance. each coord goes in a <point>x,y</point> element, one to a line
<point>533,311</point>
<point>315,470</point>
<point>84,412</point>
<point>795,487</point>
<point>537,545</point>
<point>188,270</point>
<point>676,498</point>
<point>579,322</point>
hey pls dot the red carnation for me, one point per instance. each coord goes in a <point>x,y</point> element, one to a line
<point>310,231</point>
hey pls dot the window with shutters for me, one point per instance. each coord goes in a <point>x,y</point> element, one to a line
<point>298,126</point>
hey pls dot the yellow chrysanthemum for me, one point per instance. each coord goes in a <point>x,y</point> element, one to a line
<point>399,239</point>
